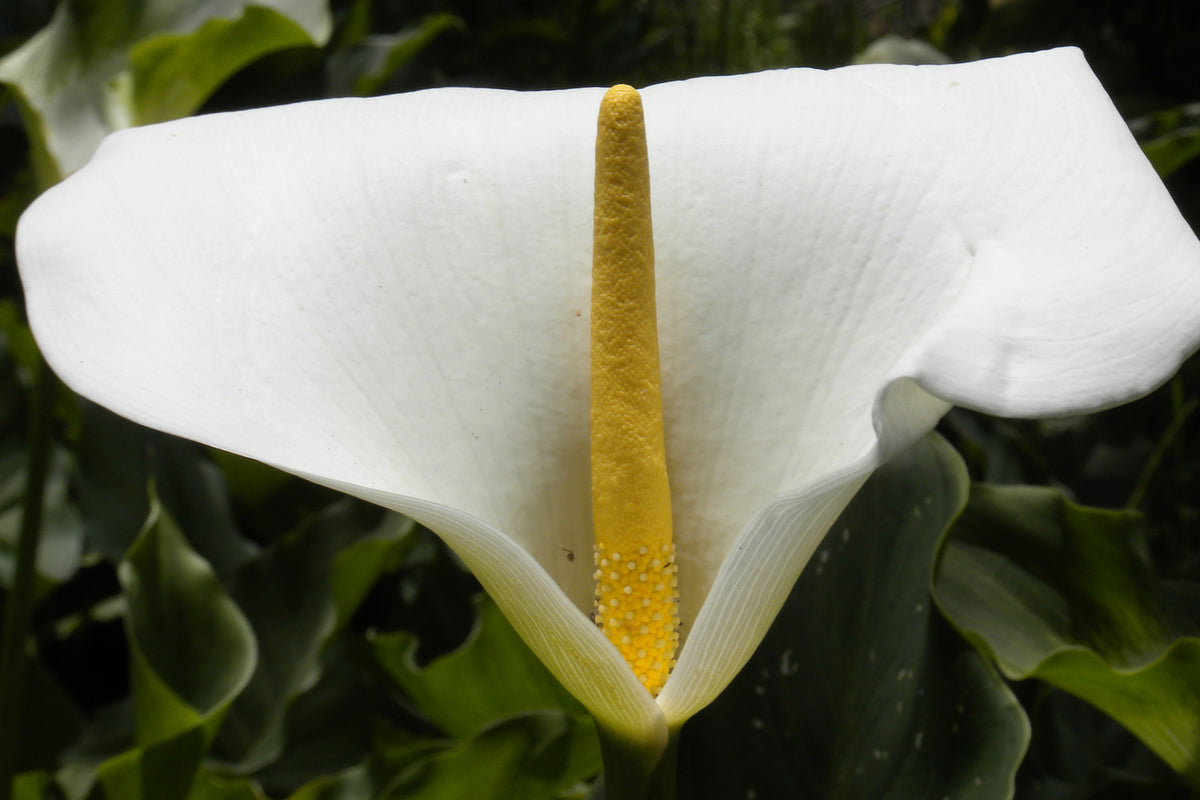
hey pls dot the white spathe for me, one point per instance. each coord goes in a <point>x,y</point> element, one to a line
<point>390,297</point>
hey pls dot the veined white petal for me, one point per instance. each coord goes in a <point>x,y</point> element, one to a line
<point>335,289</point>
<point>389,293</point>
<point>790,208</point>
<point>390,296</point>
<point>1083,281</point>
<point>975,166</point>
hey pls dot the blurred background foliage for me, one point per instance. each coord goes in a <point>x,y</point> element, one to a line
<point>351,636</point>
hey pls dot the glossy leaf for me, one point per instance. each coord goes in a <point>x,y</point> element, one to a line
<point>1067,594</point>
<point>99,67</point>
<point>363,67</point>
<point>60,547</point>
<point>1078,753</point>
<point>860,690</point>
<point>208,785</point>
<point>332,726</point>
<point>117,460</point>
<point>192,652</point>
<point>288,596</point>
<point>532,756</point>
<point>492,675</point>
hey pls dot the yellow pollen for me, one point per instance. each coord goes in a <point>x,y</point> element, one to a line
<point>631,500</point>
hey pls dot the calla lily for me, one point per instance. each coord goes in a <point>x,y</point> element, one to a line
<point>391,297</point>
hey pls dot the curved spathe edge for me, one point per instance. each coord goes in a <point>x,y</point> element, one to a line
<point>772,550</point>
<point>562,637</point>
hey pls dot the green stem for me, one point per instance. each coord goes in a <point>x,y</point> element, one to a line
<point>662,779</point>
<point>19,605</point>
<point>633,771</point>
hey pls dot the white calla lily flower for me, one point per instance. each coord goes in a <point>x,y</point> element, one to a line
<point>390,297</point>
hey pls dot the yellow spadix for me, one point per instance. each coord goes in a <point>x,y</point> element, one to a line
<point>636,594</point>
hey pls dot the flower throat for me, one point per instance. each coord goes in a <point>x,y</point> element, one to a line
<point>636,588</point>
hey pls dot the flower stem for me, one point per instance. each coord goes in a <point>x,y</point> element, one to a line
<point>634,772</point>
<point>19,604</point>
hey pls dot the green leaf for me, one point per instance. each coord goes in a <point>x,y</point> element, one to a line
<point>1066,594</point>
<point>288,595</point>
<point>118,458</point>
<point>492,675</point>
<point>364,66</point>
<point>1078,753</point>
<point>60,546</point>
<point>860,690</point>
<point>356,568</point>
<point>101,65</point>
<point>208,785</point>
<point>18,339</point>
<point>353,784</point>
<point>191,653</point>
<point>1170,152</point>
<point>31,785</point>
<point>532,756</point>
<point>331,727</point>
<point>55,722</point>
